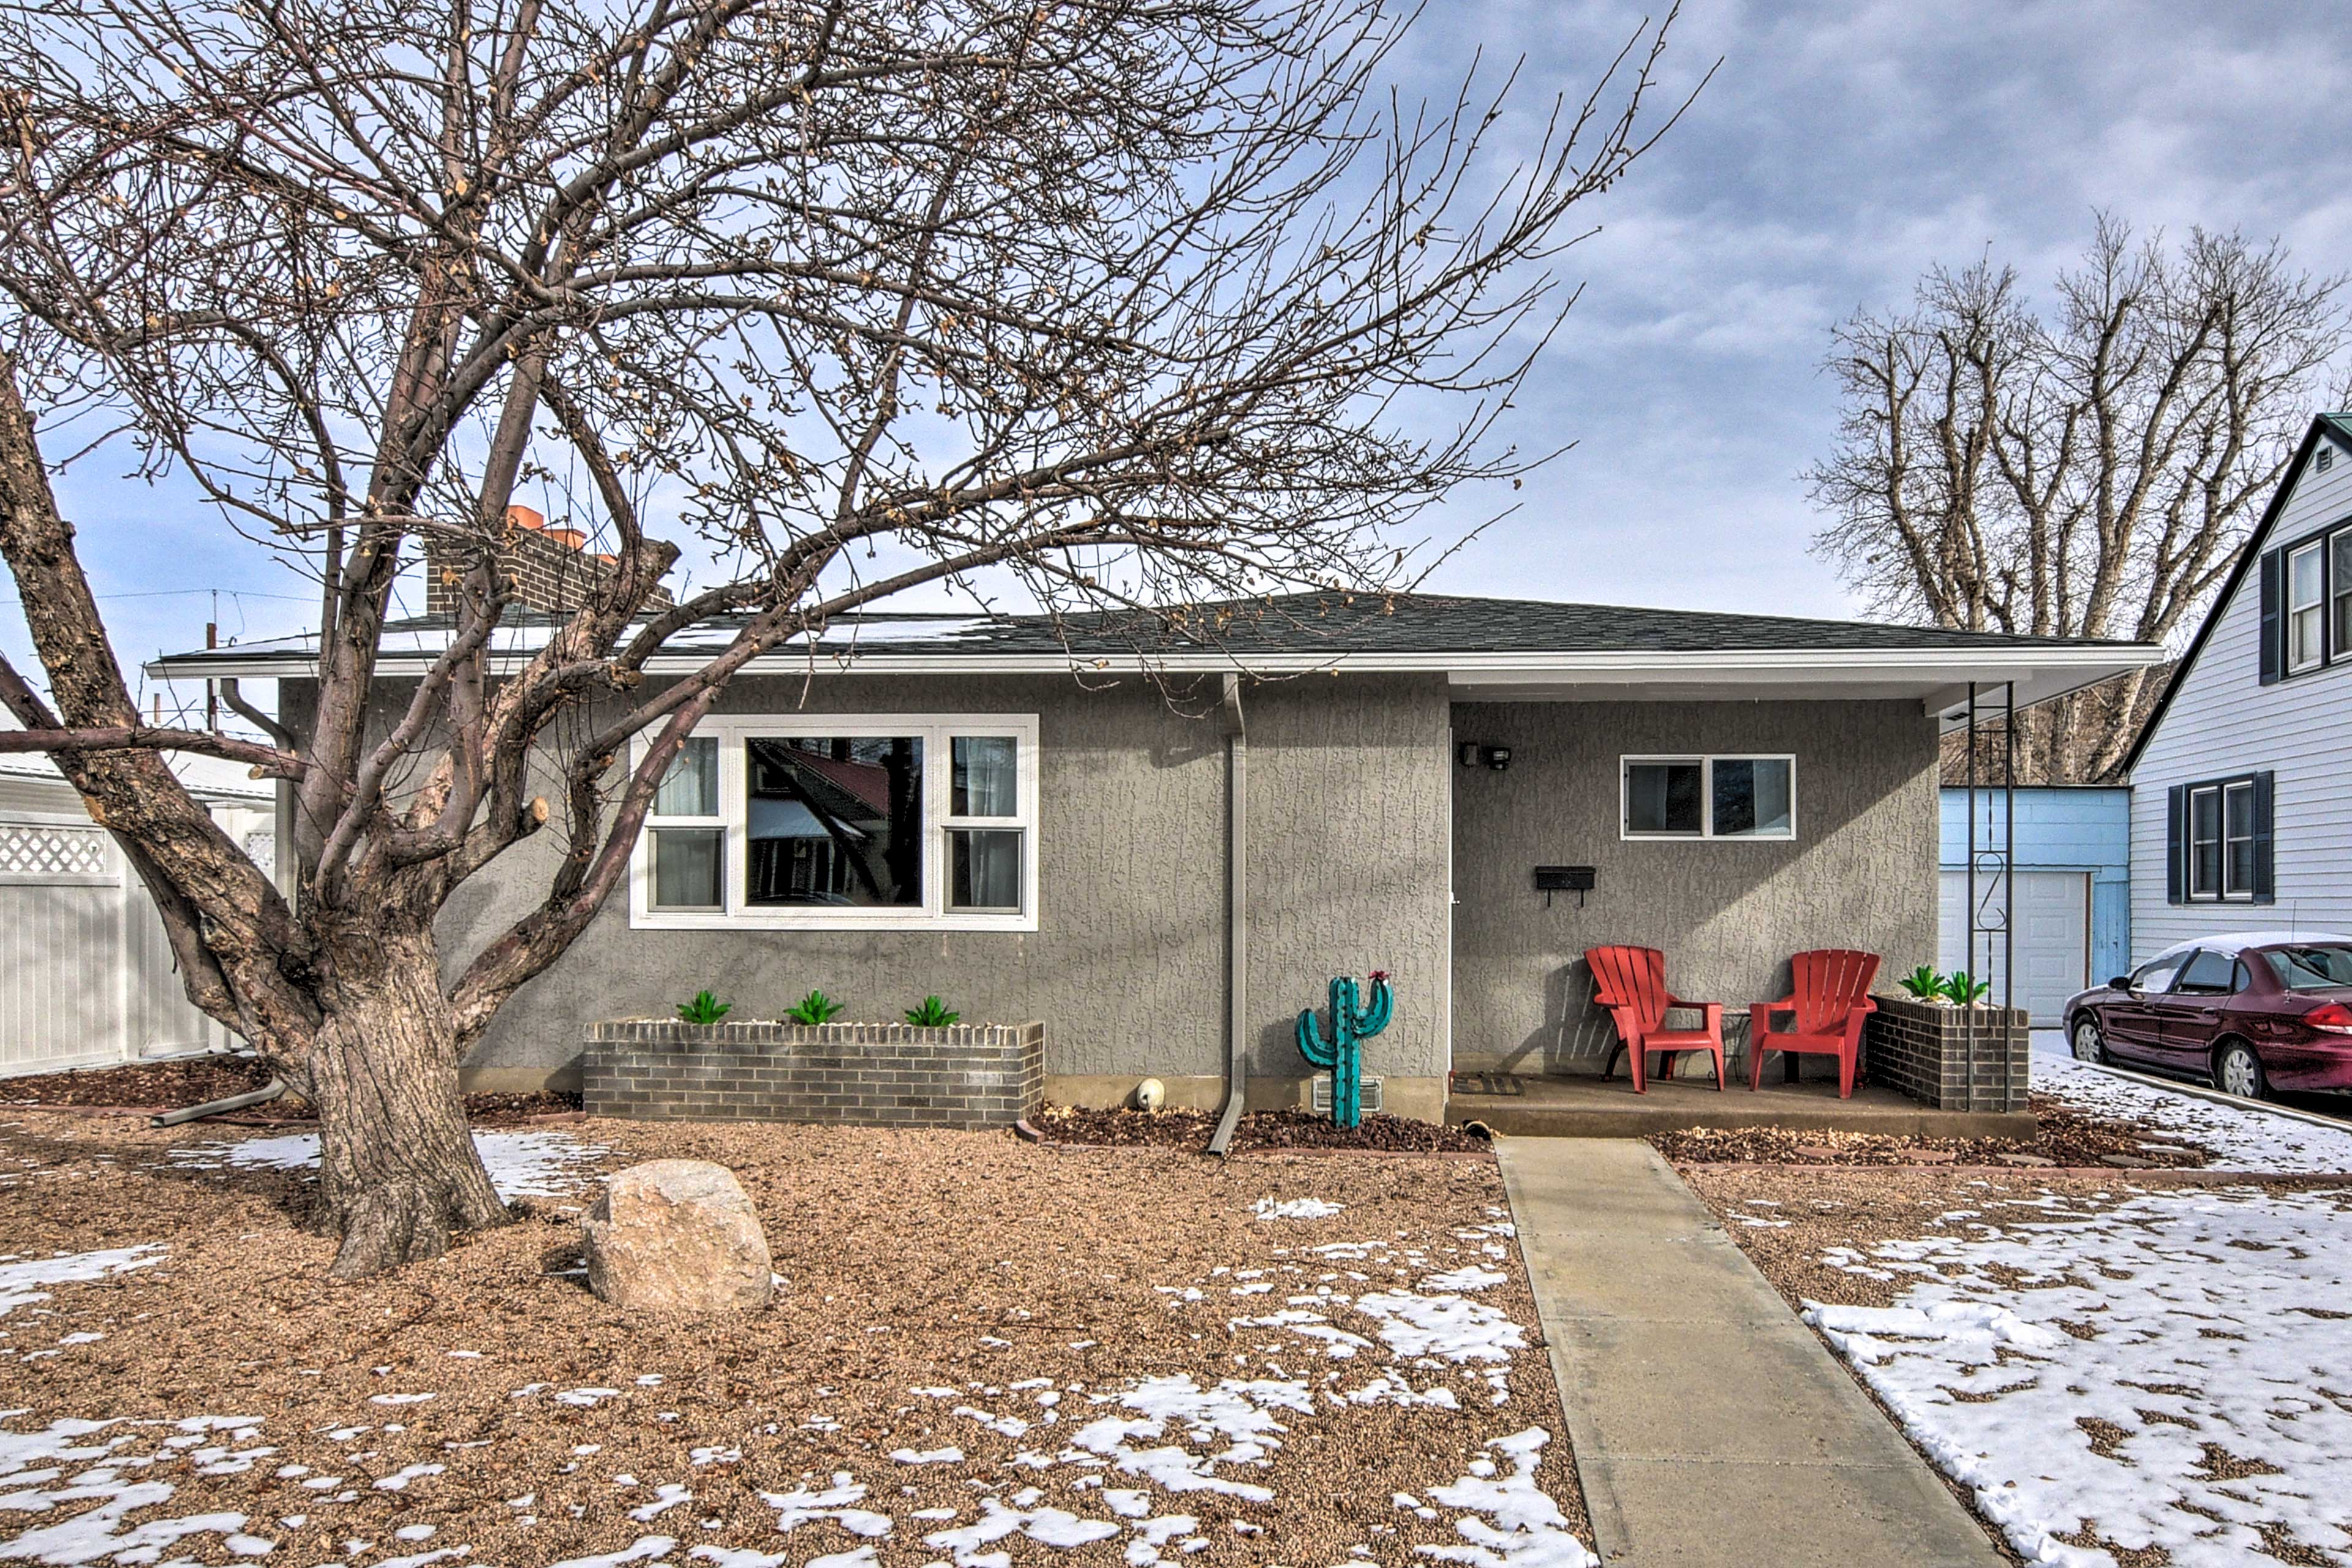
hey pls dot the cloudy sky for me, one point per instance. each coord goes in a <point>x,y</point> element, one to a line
<point>1840,150</point>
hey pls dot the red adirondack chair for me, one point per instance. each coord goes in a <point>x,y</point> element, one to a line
<point>1829,993</point>
<point>1631,982</point>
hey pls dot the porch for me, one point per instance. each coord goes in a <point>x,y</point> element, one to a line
<point>1583,1105</point>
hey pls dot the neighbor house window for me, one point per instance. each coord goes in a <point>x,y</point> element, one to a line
<point>2305,627</point>
<point>2221,840</point>
<point>809,821</point>
<point>2340,579</point>
<point>1708,797</point>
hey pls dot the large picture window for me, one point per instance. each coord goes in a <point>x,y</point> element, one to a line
<point>814,822</point>
<point>1708,797</point>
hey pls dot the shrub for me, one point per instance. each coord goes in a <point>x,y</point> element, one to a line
<point>1963,991</point>
<point>817,1008</point>
<point>1922,985</point>
<point>931,1014</point>
<point>705,1008</point>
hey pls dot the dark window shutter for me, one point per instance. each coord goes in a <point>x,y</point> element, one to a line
<point>2265,884</point>
<point>2176,841</point>
<point>2274,633</point>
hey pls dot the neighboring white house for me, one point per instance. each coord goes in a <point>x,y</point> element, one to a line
<point>86,975</point>
<point>2242,782</point>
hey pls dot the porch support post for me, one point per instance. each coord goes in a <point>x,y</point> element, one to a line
<point>1968,961</point>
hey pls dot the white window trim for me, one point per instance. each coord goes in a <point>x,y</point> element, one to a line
<point>2233,894</point>
<point>935,730</point>
<point>2316,607</point>
<point>1706,760</point>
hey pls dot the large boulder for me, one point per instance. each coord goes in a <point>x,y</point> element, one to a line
<point>678,1235</point>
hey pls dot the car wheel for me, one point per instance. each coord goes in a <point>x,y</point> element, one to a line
<point>2090,1046</point>
<point>2237,1070</point>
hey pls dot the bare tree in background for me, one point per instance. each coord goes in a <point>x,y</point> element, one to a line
<point>1119,297</point>
<point>2090,469</point>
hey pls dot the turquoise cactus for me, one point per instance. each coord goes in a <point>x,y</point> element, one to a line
<point>1342,1056</point>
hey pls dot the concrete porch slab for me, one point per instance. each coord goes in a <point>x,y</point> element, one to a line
<point>1587,1107</point>
<point>1718,1432</point>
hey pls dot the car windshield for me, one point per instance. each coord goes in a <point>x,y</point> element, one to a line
<point>2311,968</point>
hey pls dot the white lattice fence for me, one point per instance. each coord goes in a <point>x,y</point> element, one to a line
<point>55,854</point>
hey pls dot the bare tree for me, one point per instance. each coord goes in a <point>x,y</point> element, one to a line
<point>2090,470</point>
<point>1120,298</point>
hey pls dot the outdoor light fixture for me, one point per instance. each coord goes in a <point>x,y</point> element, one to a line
<point>1472,754</point>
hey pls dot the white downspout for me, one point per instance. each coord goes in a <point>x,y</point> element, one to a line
<point>1236,916</point>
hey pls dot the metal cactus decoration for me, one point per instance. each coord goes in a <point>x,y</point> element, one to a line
<point>1342,1055</point>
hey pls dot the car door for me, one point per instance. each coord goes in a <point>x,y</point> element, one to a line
<point>2132,1022</point>
<point>2192,1014</point>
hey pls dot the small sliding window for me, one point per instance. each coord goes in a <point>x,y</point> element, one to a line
<point>1708,797</point>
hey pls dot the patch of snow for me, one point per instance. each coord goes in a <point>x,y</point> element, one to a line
<point>1520,1527</point>
<point>2242,1138</point>
<point>1473,1277</point>
<point>1297,1208</point>
<point>838,1502</point>
<point>539,1164</point>
<point>928,1456</point>
<point>1446,1326</point>
<point>666,1496</point>
<point>645,1549</point>
<point>97,1534</point>
<point>1047,1526</point>
<point>20,1281</point>
<point>2196,1323</point>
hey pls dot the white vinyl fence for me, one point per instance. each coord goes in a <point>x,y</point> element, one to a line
<point>86,975</point>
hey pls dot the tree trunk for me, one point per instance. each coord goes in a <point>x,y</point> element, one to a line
<point>399,1173</point>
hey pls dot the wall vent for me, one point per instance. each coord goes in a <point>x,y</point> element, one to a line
<point>2323,459</point>
<point>1371,1093</point>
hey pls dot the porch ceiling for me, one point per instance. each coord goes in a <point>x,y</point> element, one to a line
<point>1938,681</point>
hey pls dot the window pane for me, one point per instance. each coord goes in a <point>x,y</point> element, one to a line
<point>1751,796</point>
<point>2208,972</point>
<point>836,820</point>
<point>1661,798</point>
<point>2311,968</point>
<point>2343,574</point>
<point>986,783</point>
<point>2238,812</point>
<point>985,868</point>
<point>689,866</point>
<point>2205,842</point>
<point>2303,577</point>
<point>2304,638</point>
<point>690,788</point>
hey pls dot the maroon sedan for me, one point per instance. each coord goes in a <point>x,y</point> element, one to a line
<point>2252,1011</point>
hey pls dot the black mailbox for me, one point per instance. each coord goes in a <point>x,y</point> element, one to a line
<point>1577,879</point>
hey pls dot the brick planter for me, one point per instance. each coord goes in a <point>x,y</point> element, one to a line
<point>1922,1050</point>
<point>870,1075</point>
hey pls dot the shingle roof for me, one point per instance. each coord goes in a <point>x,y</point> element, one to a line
<point>1319,624</point>
<point>1446,622</point>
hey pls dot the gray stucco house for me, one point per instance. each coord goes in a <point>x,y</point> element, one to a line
<point>1011,813</point>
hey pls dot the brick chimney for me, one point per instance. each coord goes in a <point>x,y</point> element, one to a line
<point>553,568</point>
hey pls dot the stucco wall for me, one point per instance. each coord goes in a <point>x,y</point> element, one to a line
<point>1860,872</point>
<point>1347,835</point>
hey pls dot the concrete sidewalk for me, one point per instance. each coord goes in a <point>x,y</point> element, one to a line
<point>1710,1426</point>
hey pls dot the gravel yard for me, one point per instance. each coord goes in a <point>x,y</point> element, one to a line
<point>2120,1369</point>
<point>983,1352</point>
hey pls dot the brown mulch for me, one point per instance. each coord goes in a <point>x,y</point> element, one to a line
<point>195,1080</point>
<point>1180,1128</point>
<point>970,1261</point>
<point>2069,1137</point>
<point>184,1080</point>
